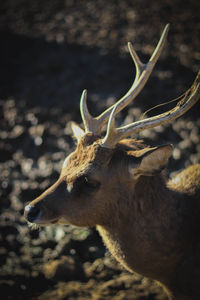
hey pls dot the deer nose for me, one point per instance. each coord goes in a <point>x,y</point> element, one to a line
<point>32,213</point>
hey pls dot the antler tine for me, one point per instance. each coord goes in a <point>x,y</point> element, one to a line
<point>88,121</point>
<point>143,72</point>
<point>115,134</point>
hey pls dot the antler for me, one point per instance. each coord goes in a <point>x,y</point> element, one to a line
<point>115,134</point>
<point>143,72</point>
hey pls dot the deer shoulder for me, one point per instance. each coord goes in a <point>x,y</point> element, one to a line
<point>187,181</point>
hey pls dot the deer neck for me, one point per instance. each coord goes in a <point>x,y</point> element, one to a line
<point>141,233</point>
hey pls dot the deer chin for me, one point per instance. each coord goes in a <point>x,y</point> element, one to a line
<point>62,221</point>
<point>45,222</point>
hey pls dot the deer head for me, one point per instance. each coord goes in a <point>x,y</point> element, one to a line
<point>102,171</point>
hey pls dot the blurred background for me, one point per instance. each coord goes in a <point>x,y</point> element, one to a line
<point>51,51</point>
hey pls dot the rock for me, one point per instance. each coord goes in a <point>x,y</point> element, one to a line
<point>62,269</point>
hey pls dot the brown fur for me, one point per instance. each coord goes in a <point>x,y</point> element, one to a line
<point>150,226</point>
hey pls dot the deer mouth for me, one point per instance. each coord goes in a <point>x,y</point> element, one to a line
<point>43,222</point>
<point>46,222</point>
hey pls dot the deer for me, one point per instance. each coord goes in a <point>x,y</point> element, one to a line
<point>118,184</point>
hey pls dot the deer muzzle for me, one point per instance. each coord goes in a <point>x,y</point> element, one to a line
<point>45,209</point>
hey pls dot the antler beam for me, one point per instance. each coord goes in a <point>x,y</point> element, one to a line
<point>143,72</point>
<point>115,134</point>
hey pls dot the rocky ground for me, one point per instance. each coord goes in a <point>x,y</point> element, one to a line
<point>51,51</point>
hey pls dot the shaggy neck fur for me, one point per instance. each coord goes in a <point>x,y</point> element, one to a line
<point>150,235</point>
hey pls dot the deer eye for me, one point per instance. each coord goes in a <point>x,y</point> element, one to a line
<point>84,184</point>
<point>91,183</point>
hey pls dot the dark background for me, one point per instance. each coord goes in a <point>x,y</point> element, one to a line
<point>50,52</point>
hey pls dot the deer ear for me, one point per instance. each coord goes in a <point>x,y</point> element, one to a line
<point>78,132</point>
<point>153,161</point>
